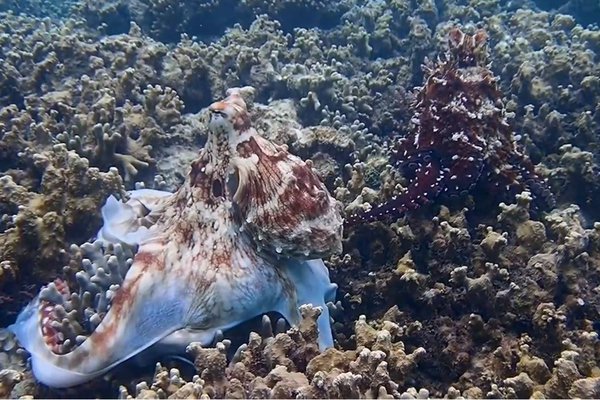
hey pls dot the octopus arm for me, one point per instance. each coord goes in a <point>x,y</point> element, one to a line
<point>130,222</point>
<point>543,198</point>
<point>511,179</point>
<point>282,285</point>
<point>312,286</point>
<point>141,314</point>
<point>463,173</point>
<point>426,185</point>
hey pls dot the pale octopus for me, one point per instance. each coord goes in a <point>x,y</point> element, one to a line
<point>243,236</point>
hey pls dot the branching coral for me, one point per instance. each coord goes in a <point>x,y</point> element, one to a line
<point>41,221</point>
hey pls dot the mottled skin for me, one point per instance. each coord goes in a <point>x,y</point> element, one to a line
<point>200,268</point>
<point>461,138</point>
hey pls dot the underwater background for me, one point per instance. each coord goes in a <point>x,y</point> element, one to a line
<point>483,282</point>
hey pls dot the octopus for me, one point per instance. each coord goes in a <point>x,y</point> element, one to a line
<point>244,235</point>
<point>461,138</point>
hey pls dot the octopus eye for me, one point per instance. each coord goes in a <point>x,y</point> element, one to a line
<point>217,188</point>
<point>218,112</point>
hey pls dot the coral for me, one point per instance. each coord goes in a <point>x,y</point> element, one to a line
<point>77,315</point>
<point>167,20</point>
<point>586,388</point>
<point>15,380</point>
<point>287,365</point>
<point>564,374</point>
<point>509,265</point>
<point>583,11</point>
<point>41,221</point>
<point>575,176</point>
<point>318,13</point>
<point>8,379</point>
<point>13,357</point>
<point>109,114</point>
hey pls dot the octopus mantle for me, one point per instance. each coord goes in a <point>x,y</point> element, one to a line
<point>243,236</point>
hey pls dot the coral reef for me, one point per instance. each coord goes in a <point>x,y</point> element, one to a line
<point>288,365</point>
<point>40,221</point>
<point>585,12</point>
<point>466,297</point>
<point>462,298</point>
<point>166,20</point>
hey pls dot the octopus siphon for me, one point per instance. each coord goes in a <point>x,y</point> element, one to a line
<point>243,236</point>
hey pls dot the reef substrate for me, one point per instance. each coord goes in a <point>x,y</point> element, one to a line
<point>463,297</point>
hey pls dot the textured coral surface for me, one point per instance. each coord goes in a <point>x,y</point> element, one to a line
<point>476,293</point>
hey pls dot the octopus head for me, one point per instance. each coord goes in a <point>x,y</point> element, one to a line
<point>467,50</point>
<point>230,114</point>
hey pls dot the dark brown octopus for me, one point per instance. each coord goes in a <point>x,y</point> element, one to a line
<point>461,139</point>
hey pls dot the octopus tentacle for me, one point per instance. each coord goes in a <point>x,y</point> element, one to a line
<point>131,222</point>
<point>426,185</point>
<point>539,189</point>
<point>129,327</point>
<point>463,174</point>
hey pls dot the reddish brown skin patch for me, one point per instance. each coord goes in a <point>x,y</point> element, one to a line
<point>186,232</point>
<point>458,87</point>
<point>121,302</point>
<point>242,122</point>
<point>218,106</point>
<point>201,182</point>
<point>221,257</point>
<point>197,177</point>
<point>300,198</point>
<point>251,147</point>
<point>308,198</point>
<point>50,336</point>
<point>150,260</point>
